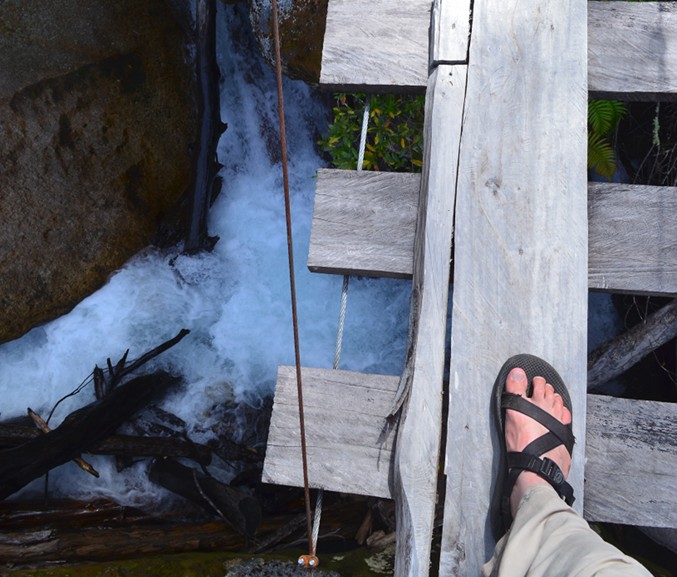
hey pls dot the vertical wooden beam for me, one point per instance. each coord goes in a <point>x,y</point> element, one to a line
<point>449,32</point>
<point>520,271</point>
<point>418,440</point>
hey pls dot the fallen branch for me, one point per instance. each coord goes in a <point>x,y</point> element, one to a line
<point>616,356</point>
<point>12,435</point>
<point>105,384</point>
<point>239,509</point>
<point>80,430</point>
<point>44,427</point>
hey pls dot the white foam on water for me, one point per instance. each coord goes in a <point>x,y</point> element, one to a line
<point>235,300</point>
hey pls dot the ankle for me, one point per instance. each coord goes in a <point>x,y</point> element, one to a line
<point>524,482</point>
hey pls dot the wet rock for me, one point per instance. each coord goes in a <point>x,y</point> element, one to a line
<point>97,116</point>
<point>302,24</point>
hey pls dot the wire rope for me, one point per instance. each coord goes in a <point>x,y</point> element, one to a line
<point>313,521</point>
<point>292,280</point>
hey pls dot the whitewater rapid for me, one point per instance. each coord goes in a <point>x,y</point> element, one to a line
<point>235,299</point>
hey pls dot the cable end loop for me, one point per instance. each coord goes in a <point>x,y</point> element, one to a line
<point>309,561</point>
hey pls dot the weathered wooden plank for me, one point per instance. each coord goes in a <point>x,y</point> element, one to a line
<point>632,49</point>
<point>520,259</point>
<point>345,433</point>
<point>363,222</point>
<point>418,439</point>
<point>383,46</point>
<point>449,32</point>
<point>631,469</point>
<point>379,45</point>
<point>344,417</point>
<point>633,238</point>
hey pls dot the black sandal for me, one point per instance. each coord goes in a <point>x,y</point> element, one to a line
<point>512,463</point>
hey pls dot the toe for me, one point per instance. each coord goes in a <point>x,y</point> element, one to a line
<point>558,403</point>
<point>516,382</point>
<point>566,415</point>
<point>539,388</point>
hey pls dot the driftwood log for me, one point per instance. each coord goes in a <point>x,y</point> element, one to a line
<point>12,435</point>
<point>617,355</point>
<point>79,432</point>
<point>240,510</point>
<point>99,531</point>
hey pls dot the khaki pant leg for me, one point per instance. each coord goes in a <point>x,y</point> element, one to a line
<point>549,539</point>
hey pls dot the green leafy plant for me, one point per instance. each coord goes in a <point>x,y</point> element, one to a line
<point>394,133</point>
<point>603,119</point>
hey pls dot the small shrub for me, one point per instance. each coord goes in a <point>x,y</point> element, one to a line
<point>394,134</point>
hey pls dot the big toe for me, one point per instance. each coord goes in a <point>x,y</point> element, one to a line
<point>516,382</point>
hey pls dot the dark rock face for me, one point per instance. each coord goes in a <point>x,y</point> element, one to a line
<point>302,24</point>
<point>97,116</point>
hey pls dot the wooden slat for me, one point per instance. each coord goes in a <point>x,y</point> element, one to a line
<point>365,220</point>
<point>345,453</point>
<point>379,45</point>
<point>450,32</point>
<point>633,238</point>
<point>631,469</point>
<point>418,440</point>
<point>632,49</point>
<point>383,45</point>
<point>344,417</point>
<point>520,257</point>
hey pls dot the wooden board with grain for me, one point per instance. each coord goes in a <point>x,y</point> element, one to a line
<point>631,470</point>
<point>379,45</point>
<point>639,434</point>
<point>382,46</point>
<point>633,238</point>
<point>363,223</point>
<point>344,416</point>
<point>449,32</point>
<point>415,470</point>
<point>520,258</point>
<point>632,49</point>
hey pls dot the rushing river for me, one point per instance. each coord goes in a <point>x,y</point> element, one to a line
<point>235,299</point>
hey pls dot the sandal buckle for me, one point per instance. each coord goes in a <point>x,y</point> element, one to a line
<point>551,471</point>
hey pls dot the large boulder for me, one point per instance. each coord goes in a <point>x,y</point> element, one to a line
<point>302,25</point>
<point>97,117</point>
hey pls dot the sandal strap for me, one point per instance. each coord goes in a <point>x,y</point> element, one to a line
<point>561,431</point>
<point>542,444</point>
<point>545,468</point>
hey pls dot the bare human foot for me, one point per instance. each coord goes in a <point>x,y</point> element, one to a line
<point>521,429</point>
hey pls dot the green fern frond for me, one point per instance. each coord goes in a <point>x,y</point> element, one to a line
<point>604,115</point>
<point>601,155</point>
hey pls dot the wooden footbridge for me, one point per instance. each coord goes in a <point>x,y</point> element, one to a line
<point>507,84</point>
